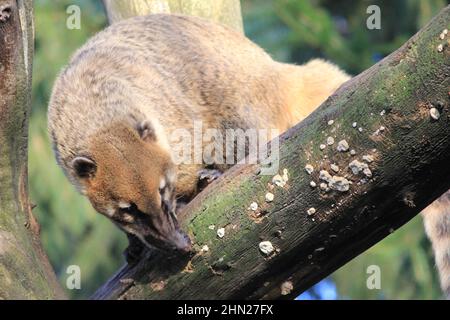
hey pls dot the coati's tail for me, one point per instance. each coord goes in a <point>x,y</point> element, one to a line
<point>437,225</point>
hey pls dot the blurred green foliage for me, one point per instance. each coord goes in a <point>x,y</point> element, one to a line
<point>298,30</point>
<point>291,31</point>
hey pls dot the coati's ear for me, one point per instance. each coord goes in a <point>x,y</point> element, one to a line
<point>84,167</point>
<point>147,131</point>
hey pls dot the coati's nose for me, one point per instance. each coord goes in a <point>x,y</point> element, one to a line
<point>181,241</point>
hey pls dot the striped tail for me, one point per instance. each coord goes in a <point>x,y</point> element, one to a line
<point>437,226</point>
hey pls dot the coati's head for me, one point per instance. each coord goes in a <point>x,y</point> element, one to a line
<point>130,178</point>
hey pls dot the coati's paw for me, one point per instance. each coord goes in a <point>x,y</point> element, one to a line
<point>206,176</point>
<point>134,250</point>
<point>209,175</point>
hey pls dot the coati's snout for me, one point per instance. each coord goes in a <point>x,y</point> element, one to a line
<point>130,178</point>
<point>158,229</point>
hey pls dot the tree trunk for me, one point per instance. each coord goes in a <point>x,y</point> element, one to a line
<point>408,151</point>
<point>25,272</point>
<point>227,12</point>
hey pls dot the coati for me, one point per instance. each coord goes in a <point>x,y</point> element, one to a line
<point>113,108</point>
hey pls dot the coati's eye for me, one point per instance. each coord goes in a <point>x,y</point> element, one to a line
<point>126,213</point>
<point>129,208</point>
<point>130,213</point>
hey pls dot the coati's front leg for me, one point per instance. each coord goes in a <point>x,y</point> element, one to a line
<point>193,178</point>
<point>203,178</point>
<point>134,250</point>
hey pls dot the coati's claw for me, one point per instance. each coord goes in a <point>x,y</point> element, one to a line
<point>209,175</point>
<point>206,176</point>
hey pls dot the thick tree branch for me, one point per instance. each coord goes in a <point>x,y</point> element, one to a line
<point>391,103</point>
<point>25,272</point>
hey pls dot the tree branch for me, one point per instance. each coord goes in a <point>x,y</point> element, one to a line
<point>227,12</point>
<point>391,104</point>
<point>25,272</point>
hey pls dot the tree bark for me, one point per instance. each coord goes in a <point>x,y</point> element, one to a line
<point>25,272</point>
<point>227,12</point>
<point>391,103</point>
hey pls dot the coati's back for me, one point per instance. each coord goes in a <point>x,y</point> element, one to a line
<point>157,66</point>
